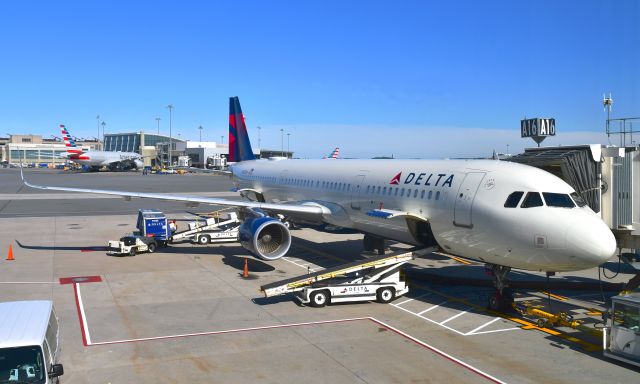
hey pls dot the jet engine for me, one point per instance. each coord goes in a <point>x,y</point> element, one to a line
<point>265,237</point>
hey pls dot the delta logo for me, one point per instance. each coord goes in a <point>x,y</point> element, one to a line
<point>396,179</point>
<point>428,179</point>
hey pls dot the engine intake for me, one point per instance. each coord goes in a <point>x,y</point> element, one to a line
<point>265,237</point>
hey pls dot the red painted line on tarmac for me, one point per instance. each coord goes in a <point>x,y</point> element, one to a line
<point>84,337</point>
<point>435,350</point>
<point>80,279</point>
<point>438,352</point>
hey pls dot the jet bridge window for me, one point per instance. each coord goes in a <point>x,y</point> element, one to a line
<point>533,199</point>
<point>558,200</point>
<point>513,199</point>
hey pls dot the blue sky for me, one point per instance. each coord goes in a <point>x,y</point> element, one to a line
<point>412,79</point>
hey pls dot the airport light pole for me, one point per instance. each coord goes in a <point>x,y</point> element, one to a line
<point>222,139</point>
<point>98,119</point>
<point>288,134</point>
<point>158,120</point>
<point>103,124</point>
<point>170,106</point>
<point>282,142</point>
<point>200,128</point>
<point>259,128</point>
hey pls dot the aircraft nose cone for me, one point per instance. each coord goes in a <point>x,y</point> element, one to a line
<point>592,242</point>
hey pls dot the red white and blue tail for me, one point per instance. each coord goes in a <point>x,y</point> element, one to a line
<point>335,153</point>
<point>239,144</point>
<point>69,142</point>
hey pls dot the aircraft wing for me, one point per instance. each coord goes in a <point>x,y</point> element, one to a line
<point>307,208</point>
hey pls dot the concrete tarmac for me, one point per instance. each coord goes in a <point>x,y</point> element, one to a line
<point>184,314</point>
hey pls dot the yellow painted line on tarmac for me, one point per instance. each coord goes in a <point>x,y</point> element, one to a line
<point>558,297</point>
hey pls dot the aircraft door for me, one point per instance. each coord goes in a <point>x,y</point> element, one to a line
<point>464,199</point>
<point>355,191</point>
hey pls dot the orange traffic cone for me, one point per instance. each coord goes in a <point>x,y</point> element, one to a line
<point>245,271</point>
<point>10,257</point>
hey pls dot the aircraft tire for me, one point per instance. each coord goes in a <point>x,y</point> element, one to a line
<point>152,247</point>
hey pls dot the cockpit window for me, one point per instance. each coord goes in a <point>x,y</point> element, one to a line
<point>578,199</point>
<point>533,199</point>
<point>513,199</point>
<point>558,200</point>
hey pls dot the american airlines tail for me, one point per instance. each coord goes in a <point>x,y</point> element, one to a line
<point>239,144</point>
<point>335,153</point>
<point>72,148</point>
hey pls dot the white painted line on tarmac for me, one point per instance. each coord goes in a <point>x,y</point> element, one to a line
<point>483,325</point>
<point>496,330</point>
<point>455,316</point>
<point>408,300</point>
<point>83,319</point>
<point>431,321</point>
<point>431,308</point>
<point>29,282</point>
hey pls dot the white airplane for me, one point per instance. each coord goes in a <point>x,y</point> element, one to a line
<point>97,159</point>
<point>504,214</point>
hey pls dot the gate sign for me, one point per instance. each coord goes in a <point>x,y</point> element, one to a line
<point>538,129</point>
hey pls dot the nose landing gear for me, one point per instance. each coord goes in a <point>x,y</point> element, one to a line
<point>503,298</point>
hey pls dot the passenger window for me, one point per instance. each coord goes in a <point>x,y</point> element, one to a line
<point>378,191</point>
<point>415,193</point>
<point>409,192</point>
<point>396,192</point>
<point>402,192</point>
<point>558,200</point>
<point>438,195</point>
<point>384,190</point>
<point>430,194</point>
<point>422,194</point>
<point>533,199</point>
<point>578,199</point>
<point>513,199</point>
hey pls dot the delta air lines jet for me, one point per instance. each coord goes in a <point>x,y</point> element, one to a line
<point>97,159</point>
<point>504,214</point>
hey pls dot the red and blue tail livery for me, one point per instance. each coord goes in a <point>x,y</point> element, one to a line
<point>239,144</point>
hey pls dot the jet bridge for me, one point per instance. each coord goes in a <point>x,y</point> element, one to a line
<point>380,279</point>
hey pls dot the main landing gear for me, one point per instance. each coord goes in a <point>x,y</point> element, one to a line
<point>372,243</point>
<point>503,298</point>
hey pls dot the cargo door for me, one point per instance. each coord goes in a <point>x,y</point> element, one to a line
<point>462,213</point>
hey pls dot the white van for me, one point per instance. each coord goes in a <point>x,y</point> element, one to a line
<point>29,345</point>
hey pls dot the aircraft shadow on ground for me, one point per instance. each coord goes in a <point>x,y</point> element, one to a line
<point>61,248</point>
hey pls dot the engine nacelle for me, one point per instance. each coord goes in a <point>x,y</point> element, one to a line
<point>265,237</point>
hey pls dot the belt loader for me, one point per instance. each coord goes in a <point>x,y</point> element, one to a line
<point>219,229</point>
<point>376,278</point>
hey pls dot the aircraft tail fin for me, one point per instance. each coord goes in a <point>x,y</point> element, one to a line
<point>239,144</point>
<point>335,153</point>
<point>69,142</point>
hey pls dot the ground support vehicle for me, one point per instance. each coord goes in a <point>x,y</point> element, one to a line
<point>29,342</point>
<point>131,245</point>
<point>621,336</point>
<point>376,278</point>
<point>153,223</point>
<point>217,229</point>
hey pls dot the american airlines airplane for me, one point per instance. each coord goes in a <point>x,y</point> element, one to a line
<point>504,214</point>
<point>334,154</point>
<point>97,159</point>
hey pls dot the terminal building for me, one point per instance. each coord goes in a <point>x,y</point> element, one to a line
<point>34,149</point>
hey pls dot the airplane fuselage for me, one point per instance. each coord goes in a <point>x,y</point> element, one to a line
<point>463,202</point>
<point>106,158</point>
